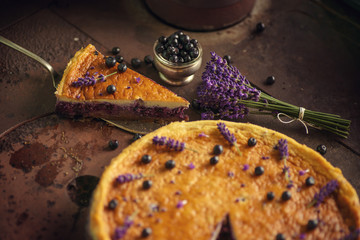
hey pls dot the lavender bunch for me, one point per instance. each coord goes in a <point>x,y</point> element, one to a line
<point>226,94</point>
<point>324,192</point>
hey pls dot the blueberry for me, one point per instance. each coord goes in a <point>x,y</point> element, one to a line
<point>179,33</point>
<point>170,164</point>
<point>321,149</point>
<point>111,89</point>
<point>135,62</point>
<point>159,48</point>
<point>119,58</point>
<point>270,196</point>
<point>214,160</point>
<point>195,104</point>
<point>183,53</point>
<point>286,195</point>
<point>147,184</point>
<point>194,53</point>
<point>218,149</point>
<point>259,171</point>
<point>146,159</point>
<point>260,27</point>
<point>227,58</point>
<point>110,62</point>
<point>189,46</point>
<point>162,39</point>
<point>174,58</point>
<point>280,236</point>
<point>251,142</point>
<point>187,58</point>
<point>181,60</point>
<point>165,55</point>
<point>270,80</point>
<point>146,232</point>
<point>113,144</point>
<point>174,42</point>
<point>173,36</point>
<point>184,38</point>
<point>115,50</point>
<point>148,59</point>
<point>312,224</point>
<point>113,204</point>
<point>194,42</point>
<point>309,181</point>
<point>122,67</point>
<point>136,136</point>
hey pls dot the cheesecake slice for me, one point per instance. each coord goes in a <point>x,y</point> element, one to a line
<point>84,92</point>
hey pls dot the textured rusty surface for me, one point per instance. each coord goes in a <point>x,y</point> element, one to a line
<point>48,169</point>
<point>313,52</point>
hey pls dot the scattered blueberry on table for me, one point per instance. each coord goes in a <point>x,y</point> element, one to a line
<point>115,50</point>
<point>113,144</point>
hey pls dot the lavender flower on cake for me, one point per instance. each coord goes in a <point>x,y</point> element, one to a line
<point>169,143</point>
<point>120,232</point>
<point>226,133</point>
<point>226,94</point>
<point>324,192</point>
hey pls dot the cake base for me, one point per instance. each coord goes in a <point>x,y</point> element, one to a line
<point>111,111</point>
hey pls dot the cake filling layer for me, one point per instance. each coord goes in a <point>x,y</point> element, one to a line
<point>108,110</point>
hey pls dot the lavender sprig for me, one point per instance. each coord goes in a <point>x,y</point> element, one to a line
<point>324,192</point>
<point>226,94</point>
<point>88,80</point>
<point>169,143</point>
<point>128,177</point>
<point>121,231</point>
<point>282,146</point>
<point>227,135</point>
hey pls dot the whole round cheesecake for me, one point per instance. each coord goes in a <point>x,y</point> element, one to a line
<point>222,180</point>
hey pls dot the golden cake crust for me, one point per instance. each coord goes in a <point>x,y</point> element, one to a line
<point>214,191</point>
<point>127,85</point>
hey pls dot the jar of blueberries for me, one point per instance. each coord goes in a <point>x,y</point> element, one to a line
<point>177,58</point>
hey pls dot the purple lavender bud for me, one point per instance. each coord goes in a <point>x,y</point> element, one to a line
<point>181,203</point>
<point>226,133</point>
<point>191,166</point>
<point>325,191</point>
<point>120,232</point>
<point>128,177</point>
<point>283,148</point>
<point>246,167</point>
<point>203,135</point>
<point>169,143</point>
<point>231,174</point>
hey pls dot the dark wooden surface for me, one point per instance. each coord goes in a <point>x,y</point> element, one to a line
<point>311,47</point>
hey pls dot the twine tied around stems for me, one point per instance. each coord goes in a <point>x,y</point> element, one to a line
<point>292,119</point>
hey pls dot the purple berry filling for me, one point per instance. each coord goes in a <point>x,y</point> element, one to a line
<point>136,110</point>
